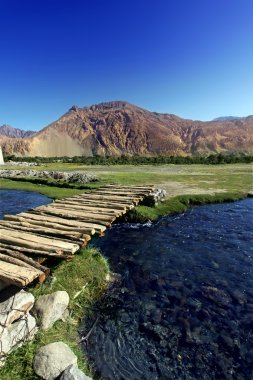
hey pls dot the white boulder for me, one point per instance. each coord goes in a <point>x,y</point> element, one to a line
<point>51,360</point>
<point>15,307</point>
<point>74,373</point>
<point>50,308</point>
<point>16,334</point>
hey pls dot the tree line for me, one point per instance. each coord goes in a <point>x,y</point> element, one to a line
<point>212,159</point>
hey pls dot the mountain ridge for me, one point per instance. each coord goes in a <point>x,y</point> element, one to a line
<point>119,127</point>
<point>11,132</point>
<point>228,118</point>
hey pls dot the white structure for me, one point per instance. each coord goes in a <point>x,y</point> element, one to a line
<point>1,157</point>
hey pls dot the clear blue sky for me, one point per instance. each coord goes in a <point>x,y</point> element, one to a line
<point>193,58</point>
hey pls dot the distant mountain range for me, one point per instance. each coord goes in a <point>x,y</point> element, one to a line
<point>227,118</point>
<point>8,131</point>
<point>116,128</point>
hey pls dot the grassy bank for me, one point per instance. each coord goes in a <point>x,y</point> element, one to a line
<point>85,274</point>
<point>180,204</point>
<point>50,191</point>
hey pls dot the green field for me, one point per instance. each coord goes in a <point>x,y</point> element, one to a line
<point>176,179</point>
<point>185,184</point>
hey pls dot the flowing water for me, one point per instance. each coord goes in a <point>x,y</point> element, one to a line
<point>183,308</point>
<point>15,201</point>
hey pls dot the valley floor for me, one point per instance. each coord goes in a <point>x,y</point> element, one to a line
<point>176,179</point>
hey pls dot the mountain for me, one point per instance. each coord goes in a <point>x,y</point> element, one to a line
<point>227,118</point>
<point>8,131</point>
<point>116,128</point>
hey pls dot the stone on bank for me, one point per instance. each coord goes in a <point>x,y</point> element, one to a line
<point>51,360</point>
<point>17,326</point>
<point>15,307</point>
<point>50,308</point>
<point>73,373</point>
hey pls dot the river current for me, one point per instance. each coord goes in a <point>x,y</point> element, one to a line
<point>16,201</point>
<point>183,306</point>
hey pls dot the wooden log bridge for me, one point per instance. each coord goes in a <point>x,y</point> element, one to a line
<point>59,230</point>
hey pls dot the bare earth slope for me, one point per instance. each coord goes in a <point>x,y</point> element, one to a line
<point>117,128</point>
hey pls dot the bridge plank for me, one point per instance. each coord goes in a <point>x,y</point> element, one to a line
<point>61,221</point>
<point>16,275</point>
<point>32,238</point>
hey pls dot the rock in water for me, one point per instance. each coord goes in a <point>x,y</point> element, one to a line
<point>51,360</point>
<point>219,296</point>
<point>73,373</point>
<point>50,308</point>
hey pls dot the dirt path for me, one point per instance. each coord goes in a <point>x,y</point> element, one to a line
<point>176,188</point>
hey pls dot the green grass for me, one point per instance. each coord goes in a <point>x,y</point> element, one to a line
<point>180,204</point>
<point>232,177</point>
<point>208,182</point>
<point>88,270</point>
<point>49,191</point>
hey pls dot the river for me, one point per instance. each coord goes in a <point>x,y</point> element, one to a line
<point>184,306</point>
<point>16,201</point>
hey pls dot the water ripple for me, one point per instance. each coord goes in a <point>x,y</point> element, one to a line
<point>184,309</point>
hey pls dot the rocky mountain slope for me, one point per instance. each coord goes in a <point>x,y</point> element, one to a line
<point>116,128</point>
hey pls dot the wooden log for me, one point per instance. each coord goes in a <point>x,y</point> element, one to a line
<point>47,232</point>
<point>26,244</point>
<point>62,221</point>
<point>20,263</point>
<point>35,248</point>
<point>111,198</point>
<point>99,200</point>
<point>130,187</point>
<point>13,260</point>
<point>124,193</point>
<point>32,238</point>
<point>96,203</point>
<point>118,193</point>
<point>25,223</point>
<point>107,198</point>
<point>88,209</point>
<point>127,192</point>
<point>49,223</point>
<point>69,232</point>
<point>70,216</point>
<point>25,259</point>
<point>33,251</point>
<point>75,213</point>
<point>17,275</point>
<point>74,216</point>
<point>81,242</point>
<point>11,241</point>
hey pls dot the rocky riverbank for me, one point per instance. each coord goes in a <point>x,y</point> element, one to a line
<point>21,318</point>
<point>81,281</point>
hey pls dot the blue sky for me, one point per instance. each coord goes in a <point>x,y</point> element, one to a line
<point>193,58</point>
